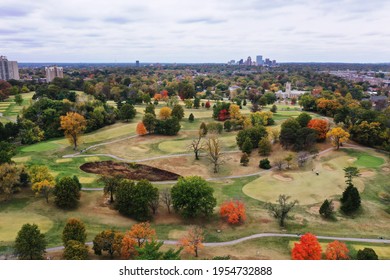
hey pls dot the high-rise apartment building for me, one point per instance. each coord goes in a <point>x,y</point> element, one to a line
<point>259,60</point>
<point>8,69</point>
<point>53,72</point>
<point>248,61</point>
<point>137,63</point>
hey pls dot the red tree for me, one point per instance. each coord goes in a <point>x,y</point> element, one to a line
<point>321,126</point>
<point>223,115</point>
<point>308,248</point>
<point>207,105</point>
<point>233,212</point>
<point>337,250</point>
<point>141,130</point>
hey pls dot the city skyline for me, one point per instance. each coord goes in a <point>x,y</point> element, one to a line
<point>195,31</point>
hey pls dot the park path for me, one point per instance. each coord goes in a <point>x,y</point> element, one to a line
<point>261,235</point>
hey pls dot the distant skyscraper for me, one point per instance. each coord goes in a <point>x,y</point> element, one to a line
<point>53,72</point>
<point>241,62</point>
<point>248,61</point>
<point>267,62</point>
<point>259,60</point>
<point>8,69</point>
<point>137,63</point>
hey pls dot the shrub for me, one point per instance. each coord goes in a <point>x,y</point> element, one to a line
<point>265,164</point>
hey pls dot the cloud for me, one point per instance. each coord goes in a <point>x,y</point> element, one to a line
<point>118,20</point>
<point>201,20</point>
<point>13,11</point>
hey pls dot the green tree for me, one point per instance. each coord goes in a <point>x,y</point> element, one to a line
<point>196,103</point>
<point>191,118</point>
<point>350,200</point>
<point>227,125</point>
<point>109,241</point>
<point>281,209</point>
<point>169,126</point>
<point>265,164</point>
<point>133,199</point>
<point>18,99</point>
<point>127,112</point>
<point>326,209</point>
<point>7,151</point>
<point>111,184</point>
<point>30,133</point>
<point>150,122</point>
<point>193,197</point>
<point>350,173</point>
<point>30,243</point>
<point>274,109</point>
<point>288,132</point>
<point>367,254</point>
<point>247,146</point>
<point>74,230</point>
<point>303,119</point>
<point>151,251</point>
<point>67,193</point>
<point>265,147</point>
<point>150,109</point>
<point>255,134</point>
<point>178,112</point>
<point>75,250</point>
<point>203,129</point>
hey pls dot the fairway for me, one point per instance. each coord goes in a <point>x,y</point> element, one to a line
<point>41,147</point>
<point>305,186</point>
<point>11,224</point>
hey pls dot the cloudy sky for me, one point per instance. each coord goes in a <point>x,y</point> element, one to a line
<point>195,30</point>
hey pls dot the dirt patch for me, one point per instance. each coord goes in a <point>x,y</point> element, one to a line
<point>386,169</point>
<point>328,167</point>
<point>129,171</point>
<point>367,173</point>
<point>282,178</point>
<point>352,160</point>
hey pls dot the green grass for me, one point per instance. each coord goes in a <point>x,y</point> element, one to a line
<point>41,147</point>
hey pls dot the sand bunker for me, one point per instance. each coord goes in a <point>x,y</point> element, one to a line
<point>352,160</point>
<point>386,169</point>
<point>367,173</point>
<point>282,178</point>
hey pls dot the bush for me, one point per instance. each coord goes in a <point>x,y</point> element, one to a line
<point>244,159</point>
<point>191,118</point>
<point>214,127</point>
<point>265,164</point>
<point>227,125</point>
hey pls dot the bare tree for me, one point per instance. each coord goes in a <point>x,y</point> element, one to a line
<point>281,209</point>
<point>302,157</point>
<point>288,160</point>
<point>275,133</point>
<point>166,198</point>
<point>279,163</point>
<point>154,204</point>
<point>214,151</point>
<point>197,145</point>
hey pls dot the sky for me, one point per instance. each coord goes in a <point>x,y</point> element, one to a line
<point>197,31</point>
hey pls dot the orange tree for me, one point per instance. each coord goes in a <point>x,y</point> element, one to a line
<point>233,211</point>
<point>308,248</point>
<point>141,129</point>
<point>192,242</point>
<point>136,238</point>
<point>321,126</point>
<point>73,124</point>
<point>337,250</point>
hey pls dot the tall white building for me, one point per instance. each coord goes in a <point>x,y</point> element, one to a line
<point>8,69</point>
<point>53,72</point>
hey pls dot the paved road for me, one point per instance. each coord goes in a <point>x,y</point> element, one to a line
<point>262,235</point>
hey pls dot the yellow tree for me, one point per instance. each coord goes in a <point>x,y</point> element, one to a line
<point>165,113</point>
<point>234,111</point>
<point>192,242</point>
<point>338,136</point>
<point>73,125</point>
<point>42,181</point>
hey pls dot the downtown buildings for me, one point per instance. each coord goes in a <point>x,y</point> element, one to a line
<point>53,72</point>
<point>8,69</point>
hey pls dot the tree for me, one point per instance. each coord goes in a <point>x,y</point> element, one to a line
<point>149,122</point>
<point>281,209</point>
<point>135,238</point>
<point>214,151</point>
<point>247,146</point>
<point>193,241</point>
<point>18,99</point>
<point>127,112</point>
<point>303,119</point>
<point>73,125</point>
<point>133,199</point>
<point>326,209</point>
<point>265,147</point>
<point>368,134</point>
<point>30,132</point>
<point>265,164</point>
<point>7,151</point>
<point>151,251</point>
<point>178,112</point>
<point>75,250</point>
<point>337,136</point>
<point>350,173</point>
<point>111,184</point>
<point>42,181</point>
<point>233,211</point>
<point>234,112</point>
<point>244,159</point>
<point>308,248</point>
<point>108,240</point>
<point>67,193</point>
<point>288,160</point>
<point>321,126</point>
<point>9,179</point>
<point>274,109</point>
<point>166,198</point>
<point>255,134</point>
<point>74,230</point>
<point>141,129</point>
<point>337,250</point>
<point>350,200</point>
<point>30,243</point>
<point>288,132</point>
<point>150,109</point>
<point>193,197</point>
<point>165,113</point>
<point>191,118</point>
<point>154,204</point>
<point>227,125</point>
<point>197,145</point>
<point>196,103</point>
<point>203,129</point>
<point>367,254</point>
<point>302,157</point>
<point>169,126</point>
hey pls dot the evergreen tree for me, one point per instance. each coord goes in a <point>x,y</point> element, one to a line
<point>367,254</point>
<point>326,209</point>
<point>30,243</point>
<point>74,230</point>
<point>247,146</point>
<point>350,201</point>
<point>191,118</point>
